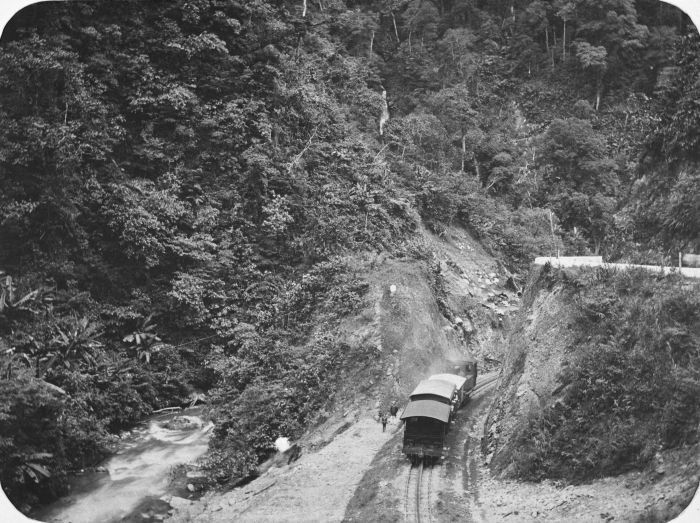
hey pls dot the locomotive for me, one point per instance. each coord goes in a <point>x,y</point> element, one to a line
<point>432,406</point>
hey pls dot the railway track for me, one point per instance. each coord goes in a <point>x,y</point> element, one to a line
<point>419,492</point>
<point>483,384</point>
<point>419,484</point>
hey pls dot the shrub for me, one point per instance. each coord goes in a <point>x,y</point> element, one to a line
<point>43,434</point>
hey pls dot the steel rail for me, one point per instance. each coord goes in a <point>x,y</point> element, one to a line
<point>418,490</point>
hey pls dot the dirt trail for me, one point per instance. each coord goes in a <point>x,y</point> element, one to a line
<point>317,487</point>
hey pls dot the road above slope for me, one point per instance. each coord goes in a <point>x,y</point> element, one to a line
<point>597,261</point>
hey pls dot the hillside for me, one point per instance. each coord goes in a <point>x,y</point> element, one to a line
<point>601,378</point>
<point>410,333</point>
<point>200,198</point>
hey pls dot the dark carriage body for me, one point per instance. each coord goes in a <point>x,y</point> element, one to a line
<point>426,424</point>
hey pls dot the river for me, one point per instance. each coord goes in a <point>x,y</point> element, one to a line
<point>137,474</point>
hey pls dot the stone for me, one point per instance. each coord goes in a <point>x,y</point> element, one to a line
<point>190,487</point>
<point>178,502</point>
<point>183,423</point>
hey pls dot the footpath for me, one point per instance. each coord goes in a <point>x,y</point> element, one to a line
<point>317,487</point>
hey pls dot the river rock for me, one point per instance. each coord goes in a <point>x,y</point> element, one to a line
<point>183,423</point>
<point>176,502</point>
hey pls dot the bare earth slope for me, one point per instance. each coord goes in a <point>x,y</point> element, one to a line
<point>412,335</point>
<point>314,488</point>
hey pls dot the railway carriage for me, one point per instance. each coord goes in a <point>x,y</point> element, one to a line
<point>431,407</point>
<point>437,390</point>
<point>459,383</point>
<point>426,425</point>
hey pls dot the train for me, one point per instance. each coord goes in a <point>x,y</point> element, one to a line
<point>432,406</point>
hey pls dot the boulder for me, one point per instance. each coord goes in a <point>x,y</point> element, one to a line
<point>183,423</point>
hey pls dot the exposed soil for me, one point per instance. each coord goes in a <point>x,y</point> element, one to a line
<point>654,495</point>
<point>317,487</point>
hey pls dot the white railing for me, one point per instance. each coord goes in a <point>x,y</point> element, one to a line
<point>597,261</point>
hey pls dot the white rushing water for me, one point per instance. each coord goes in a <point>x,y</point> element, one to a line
<point>139,470</point>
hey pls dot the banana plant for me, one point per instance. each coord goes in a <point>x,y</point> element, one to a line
<point>75,343</point>
<point>8,300</point>
<point>32,469</point>
<point>144,341</point>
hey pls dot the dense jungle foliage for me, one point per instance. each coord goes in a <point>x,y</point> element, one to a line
<point>180,182</point>
<point>630,387</point>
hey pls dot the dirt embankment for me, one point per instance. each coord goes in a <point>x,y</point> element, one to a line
<point>542,342</point>
<point>446,296</point>
<point>536,346</point>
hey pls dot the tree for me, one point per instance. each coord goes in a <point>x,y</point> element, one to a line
<point>535,21</point>
<point>456,52</point>
<point>453,106</point>
<point>677,138</point>
<point>582,178</point>
<point>358,29</point>
<point>566,10</point>
<point>593,59</point>
<point>421,18</point>
<point>613,25</point>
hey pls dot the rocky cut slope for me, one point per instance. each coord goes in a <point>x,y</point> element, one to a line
<point>600,378</point>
